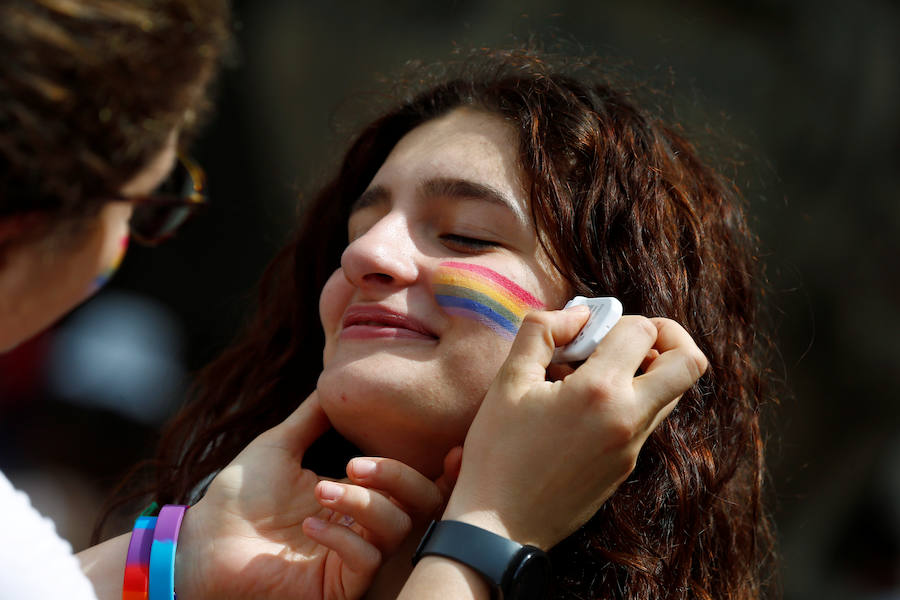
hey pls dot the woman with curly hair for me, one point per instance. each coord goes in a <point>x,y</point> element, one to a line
<point>472,210</point>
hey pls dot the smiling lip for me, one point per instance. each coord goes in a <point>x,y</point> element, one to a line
<point>364,322</point>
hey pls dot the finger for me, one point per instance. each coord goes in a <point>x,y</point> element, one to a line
<point>359,555</point>
<point>678,367</point>
<point>386,523</point>
<point>539,335</point>
<point>652,355</point>
<point>673,336</point>
<point>660,416</point>
<point>559,371</point>
<point>304,426</point>
<point>412,490</point>
<point>452,465</point>
<point>622,351</point>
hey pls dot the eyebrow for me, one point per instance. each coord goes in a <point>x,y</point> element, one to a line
<point>447,187</point>
<point>376,194</point>
<point>465,188</point>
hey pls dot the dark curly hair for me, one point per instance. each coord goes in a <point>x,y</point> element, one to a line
<point>90,91</point>
<point>624,206</point>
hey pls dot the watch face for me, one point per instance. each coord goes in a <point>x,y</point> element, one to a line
<point>530,579</point>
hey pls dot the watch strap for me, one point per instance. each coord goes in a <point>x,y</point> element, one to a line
<point>490,554</point>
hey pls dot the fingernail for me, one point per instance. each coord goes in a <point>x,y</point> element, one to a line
<point>314,523</point>
<point>363,467</point>
<point>330,491</point>
<point>577,308</point>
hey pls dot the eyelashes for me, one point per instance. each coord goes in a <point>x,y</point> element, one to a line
<point>466,244</point>
<point>358,227</point>
<point>459,243</point>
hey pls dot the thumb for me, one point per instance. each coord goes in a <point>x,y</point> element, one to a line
<point>541,332</point>
<point>304,426</point>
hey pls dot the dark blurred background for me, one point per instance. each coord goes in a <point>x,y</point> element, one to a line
<point>802,97</point>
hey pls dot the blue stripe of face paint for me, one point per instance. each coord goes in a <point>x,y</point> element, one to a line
<point>481,309</point>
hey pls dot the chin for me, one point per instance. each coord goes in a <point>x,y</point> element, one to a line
<point>394,417</point>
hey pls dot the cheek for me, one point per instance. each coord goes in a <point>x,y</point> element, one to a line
<point>477,293</point>
<point>113,237</point>
<point>477,354</point>
<point>335,297</point>
<point>111,262</point>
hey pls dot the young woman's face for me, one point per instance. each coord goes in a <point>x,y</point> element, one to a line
<point>406,363</point>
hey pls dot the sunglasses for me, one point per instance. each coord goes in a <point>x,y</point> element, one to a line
<point>158,216</point>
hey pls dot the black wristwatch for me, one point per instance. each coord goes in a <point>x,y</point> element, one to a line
<point>514,571</point>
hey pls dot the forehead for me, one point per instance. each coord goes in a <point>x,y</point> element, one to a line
<point>465,143</point>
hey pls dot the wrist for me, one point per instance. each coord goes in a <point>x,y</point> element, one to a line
<point>491,519</point>
<point>483,518</point>
<point>513,571</point>
<point>456,580</point>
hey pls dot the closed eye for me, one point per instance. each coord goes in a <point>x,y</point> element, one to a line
<point>466,244</point>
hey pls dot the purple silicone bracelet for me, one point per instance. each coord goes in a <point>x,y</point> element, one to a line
<point>137,560</point>
<point>141,538</point>
<point>162,553</point>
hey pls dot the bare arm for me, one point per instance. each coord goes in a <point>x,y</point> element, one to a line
<point>104,565</point>
<point>438,578</point>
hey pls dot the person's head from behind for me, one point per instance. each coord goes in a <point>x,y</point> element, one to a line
<point>95,98</point>
<point>515,181</point>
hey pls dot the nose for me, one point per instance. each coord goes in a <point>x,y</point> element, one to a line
<point>383,257</point>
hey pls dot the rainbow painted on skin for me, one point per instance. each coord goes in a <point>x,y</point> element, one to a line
<point>101,279</point>
<point>477,292</point>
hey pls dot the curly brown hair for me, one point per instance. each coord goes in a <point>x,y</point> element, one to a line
<point>624,206</point>
<point>91,90</point>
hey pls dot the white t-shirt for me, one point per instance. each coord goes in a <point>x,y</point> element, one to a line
<point>35,563</point>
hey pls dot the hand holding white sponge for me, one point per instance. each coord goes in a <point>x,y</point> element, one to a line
<point>605,312</point>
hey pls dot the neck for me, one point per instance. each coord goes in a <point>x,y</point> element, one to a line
<point>396,569</point>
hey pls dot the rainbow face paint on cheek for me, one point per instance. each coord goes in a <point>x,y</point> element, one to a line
<point>101,279</point>
<point>479,293</point>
